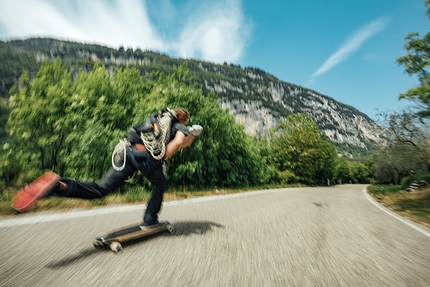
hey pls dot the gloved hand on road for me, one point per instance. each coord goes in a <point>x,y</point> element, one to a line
<point>195,130</point>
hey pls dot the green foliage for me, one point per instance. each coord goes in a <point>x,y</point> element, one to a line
<point>100,112</point>
<point>230,81</point>
<point>299,147</point>
<point>37,116</point>
<point>4,114</point>
<point>301,153</point>
<point>417,61</point>
<point>235,83</point>
<point>378,190</point>
<point>407,148</point>
<point>223,155</point>
<point>269,173</point>
<point>350,172</point>
<point>417,178</point>
<point>357,153</point>
<point>72,126</point>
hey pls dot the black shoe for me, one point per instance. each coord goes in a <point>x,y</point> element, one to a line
<point>150,224</point>
<point>53,191</point>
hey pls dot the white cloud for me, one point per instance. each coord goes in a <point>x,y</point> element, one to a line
<point>350,46</point>
<point>121,23</point>
<point>218,33</point>
<point>35,18</point>
<point>209,31</point>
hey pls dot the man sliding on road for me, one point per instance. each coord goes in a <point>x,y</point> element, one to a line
<point>146,148</point>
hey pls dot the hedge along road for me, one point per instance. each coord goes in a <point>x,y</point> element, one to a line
<point>325,236</point>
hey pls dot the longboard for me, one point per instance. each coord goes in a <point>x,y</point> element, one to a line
<point>114,238</point>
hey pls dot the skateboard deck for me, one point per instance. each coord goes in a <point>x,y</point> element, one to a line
<point>114,238</point>
<point>28,196</point>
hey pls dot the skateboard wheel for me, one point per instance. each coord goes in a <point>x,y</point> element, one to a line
<point>171,229</point>
<point>115,247</point>
<point>97,244</point>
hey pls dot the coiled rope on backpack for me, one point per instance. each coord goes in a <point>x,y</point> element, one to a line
<point>156,146</point>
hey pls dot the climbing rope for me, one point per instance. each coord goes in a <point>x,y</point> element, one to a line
<point>156,146</point>
<point>120,147</point>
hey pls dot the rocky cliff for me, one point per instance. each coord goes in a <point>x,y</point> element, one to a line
<point>257,99</point>
<point>341,123</point>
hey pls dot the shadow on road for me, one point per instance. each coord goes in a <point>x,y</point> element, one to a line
<point>185,228</point>
<point>73,258</point>
<point>182,228</point>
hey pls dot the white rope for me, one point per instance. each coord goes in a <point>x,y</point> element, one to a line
<point>157,146</point>
<point>121,146</point>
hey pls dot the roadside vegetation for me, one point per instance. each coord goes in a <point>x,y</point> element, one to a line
<point>71,126</point>
<point>414,205</point>
<point>404,162</point>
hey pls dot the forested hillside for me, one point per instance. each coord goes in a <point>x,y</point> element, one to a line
<point>70,123</point>
<point>253,96</point>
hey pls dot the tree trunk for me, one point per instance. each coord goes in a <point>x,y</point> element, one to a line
<point>42,156</point>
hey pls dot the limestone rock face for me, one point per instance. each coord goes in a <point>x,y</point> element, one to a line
<point>341,123</point>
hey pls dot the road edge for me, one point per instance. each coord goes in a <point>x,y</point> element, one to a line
<point>418,227</point>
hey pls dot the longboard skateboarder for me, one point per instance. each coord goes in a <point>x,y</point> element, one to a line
<point>145,149</point>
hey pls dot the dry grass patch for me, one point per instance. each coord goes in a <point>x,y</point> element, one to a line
<point>134,195</point>
<point>414,205</point>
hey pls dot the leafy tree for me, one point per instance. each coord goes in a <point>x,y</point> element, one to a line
<point>408,147</point>
<point>4,113</point>
<point>417,61</point>
<point>361,173</point>
<point>350,172</point>
<point>269,173</point>
<point>407,131</point>
<point>72,126</point>
<point>299,147</point>
<point>223,156</point>
<point>407,150</point>
<point>101,112</point>
<point>393,164</point>
<point>37,117</point>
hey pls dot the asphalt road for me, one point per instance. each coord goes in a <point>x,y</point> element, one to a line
<point>330,236</point>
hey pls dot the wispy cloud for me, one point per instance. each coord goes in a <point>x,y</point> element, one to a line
<point>117,23</point>
<point>219,33</point>
<point>351,45</point>
<point>209,30</point>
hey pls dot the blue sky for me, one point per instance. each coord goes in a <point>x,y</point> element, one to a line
<point>342,49</point>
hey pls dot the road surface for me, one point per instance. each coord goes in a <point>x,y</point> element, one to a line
<point>325,236</point>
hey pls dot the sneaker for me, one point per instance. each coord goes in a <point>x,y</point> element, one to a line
<point>151,224</point>
<point>29,195</point>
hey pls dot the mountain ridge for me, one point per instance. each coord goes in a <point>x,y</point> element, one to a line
<point>257,99</point>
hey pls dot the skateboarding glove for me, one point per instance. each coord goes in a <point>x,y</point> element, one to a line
<point>195,130</point>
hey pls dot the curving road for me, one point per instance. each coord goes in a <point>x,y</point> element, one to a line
<point>330,236</point>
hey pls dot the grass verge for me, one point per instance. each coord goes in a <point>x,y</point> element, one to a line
<point>414,205</point>
<point>133,195</point>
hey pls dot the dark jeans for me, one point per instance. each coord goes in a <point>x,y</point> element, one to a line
<point>151,168</point>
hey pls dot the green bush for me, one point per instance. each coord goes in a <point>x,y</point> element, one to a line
<point>384,189</point>
<point>406,182</point>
